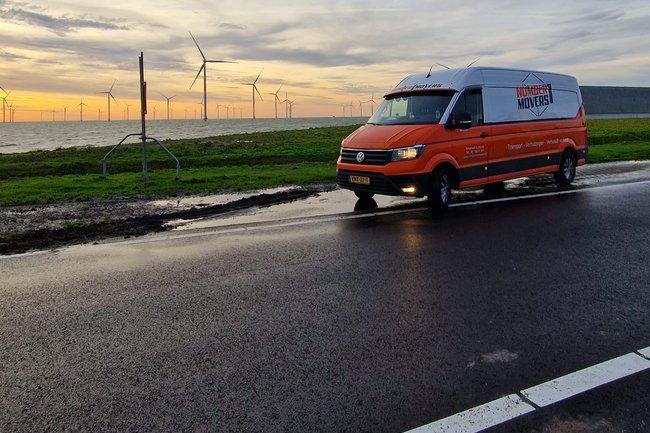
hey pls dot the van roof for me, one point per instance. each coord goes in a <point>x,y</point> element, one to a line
<point>460,78</point>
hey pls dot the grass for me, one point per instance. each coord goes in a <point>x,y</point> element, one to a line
<point>618,140</point>
<point>234,162</point>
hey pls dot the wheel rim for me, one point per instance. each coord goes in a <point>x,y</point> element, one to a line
<point>445,188</point>
<point>569,167</point>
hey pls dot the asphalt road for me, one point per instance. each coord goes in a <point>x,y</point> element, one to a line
<point>364,323</point>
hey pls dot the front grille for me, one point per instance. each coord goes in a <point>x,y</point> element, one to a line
<point>371,156</point>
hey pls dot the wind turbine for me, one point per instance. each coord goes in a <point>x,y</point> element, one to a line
<point>4,103</point>
<point>109,95</point>
<point>254,85</point>
<point>168,99</point>
<point>201,104</point>
<point>360,108</point>
<point>81,109</point>
<point>372,104</point>
<point>286,105</point>
<point>205,85</point>
<point>276,100</point>
<point>290,103</point>
<point>127,111</point>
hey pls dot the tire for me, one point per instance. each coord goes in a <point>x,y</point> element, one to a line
<point>567,171</point>
<point>440,190</point>
<point>364,195</point>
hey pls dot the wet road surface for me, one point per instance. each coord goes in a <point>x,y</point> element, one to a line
<point>377,323</point>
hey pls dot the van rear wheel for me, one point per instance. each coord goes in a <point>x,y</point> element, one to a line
<point>440,189</point>
<point>567,171</point>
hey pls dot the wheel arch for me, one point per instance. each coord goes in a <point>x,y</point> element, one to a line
<point>446,160</point>
<point>453,172</point>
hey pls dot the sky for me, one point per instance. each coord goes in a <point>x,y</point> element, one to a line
<point>328,56</point>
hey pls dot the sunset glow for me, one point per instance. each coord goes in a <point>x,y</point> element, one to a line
<point>329,58</point>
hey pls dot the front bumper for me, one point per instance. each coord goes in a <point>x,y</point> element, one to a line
<point>385,185</point>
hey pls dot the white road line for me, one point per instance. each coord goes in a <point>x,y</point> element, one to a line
<point>580,381</point>
<point>645,352</point>
<point>480,417</point>
<point>512,406</point>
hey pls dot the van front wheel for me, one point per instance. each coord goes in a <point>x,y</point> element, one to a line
<point>440,189</point>
<point>364,195</point>
<point>567,171</point>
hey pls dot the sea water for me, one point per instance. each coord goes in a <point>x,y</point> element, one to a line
<point>27,136</point>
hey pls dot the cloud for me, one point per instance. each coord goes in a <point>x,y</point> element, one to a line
<point>231,26</point>
<point>59,25</point>
<point>9,56</point>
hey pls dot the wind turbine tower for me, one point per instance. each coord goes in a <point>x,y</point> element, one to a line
<point>205,84</point>
<point>254,86</point>
<point>81,109</point>
<point>168,99</point>
<point>109,95</point>
<point>276,100</point>
<point>4,104</point>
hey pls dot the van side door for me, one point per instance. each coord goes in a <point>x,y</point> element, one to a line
<point>473,149</point>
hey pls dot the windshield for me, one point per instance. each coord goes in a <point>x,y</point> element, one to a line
<point>411,108</point>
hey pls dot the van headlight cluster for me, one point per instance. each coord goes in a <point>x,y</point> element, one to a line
<point>407,153</point>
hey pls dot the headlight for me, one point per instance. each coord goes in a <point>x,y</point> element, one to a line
<point>407,153</point>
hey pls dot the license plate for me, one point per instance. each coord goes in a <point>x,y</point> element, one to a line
<point>362,180</point>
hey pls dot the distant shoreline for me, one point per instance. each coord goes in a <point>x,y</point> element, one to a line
<point>21,137</point>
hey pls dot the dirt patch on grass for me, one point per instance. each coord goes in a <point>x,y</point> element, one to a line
<point>38,227</point>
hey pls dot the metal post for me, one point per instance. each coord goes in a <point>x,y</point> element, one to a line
<point>143,112</point>
<point>143,132</point>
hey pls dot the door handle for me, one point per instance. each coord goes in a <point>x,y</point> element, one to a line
<point>483,135</point>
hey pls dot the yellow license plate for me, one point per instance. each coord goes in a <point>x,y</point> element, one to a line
<point>362,180</point>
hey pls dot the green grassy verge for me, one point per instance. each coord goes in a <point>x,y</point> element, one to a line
<point>618,140</point>
<point>234,162</point>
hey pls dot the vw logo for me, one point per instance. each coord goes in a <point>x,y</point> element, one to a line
<point>360,157</point>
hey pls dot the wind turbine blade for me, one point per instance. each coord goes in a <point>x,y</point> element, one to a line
<point>197,46</point>
<point>4,90</point>
<point>197,75</point>
<point>258,76</point>
<point>113,97</point>
<point>220,61</point>
<point>444,66</point>
<point>258,92</point>
<point>112,85</point>
<point>473,62</point>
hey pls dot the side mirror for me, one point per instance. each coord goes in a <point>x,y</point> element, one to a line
<point>459,120</point>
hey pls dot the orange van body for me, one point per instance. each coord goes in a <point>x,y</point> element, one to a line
<point>474,155</point>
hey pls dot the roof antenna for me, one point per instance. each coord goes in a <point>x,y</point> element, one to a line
<point>444,66</point>
<point>429,74</point>
<point>473,62</point>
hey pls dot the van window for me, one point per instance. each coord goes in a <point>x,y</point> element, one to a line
<point>471,102</point>
<point>412,108</point>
